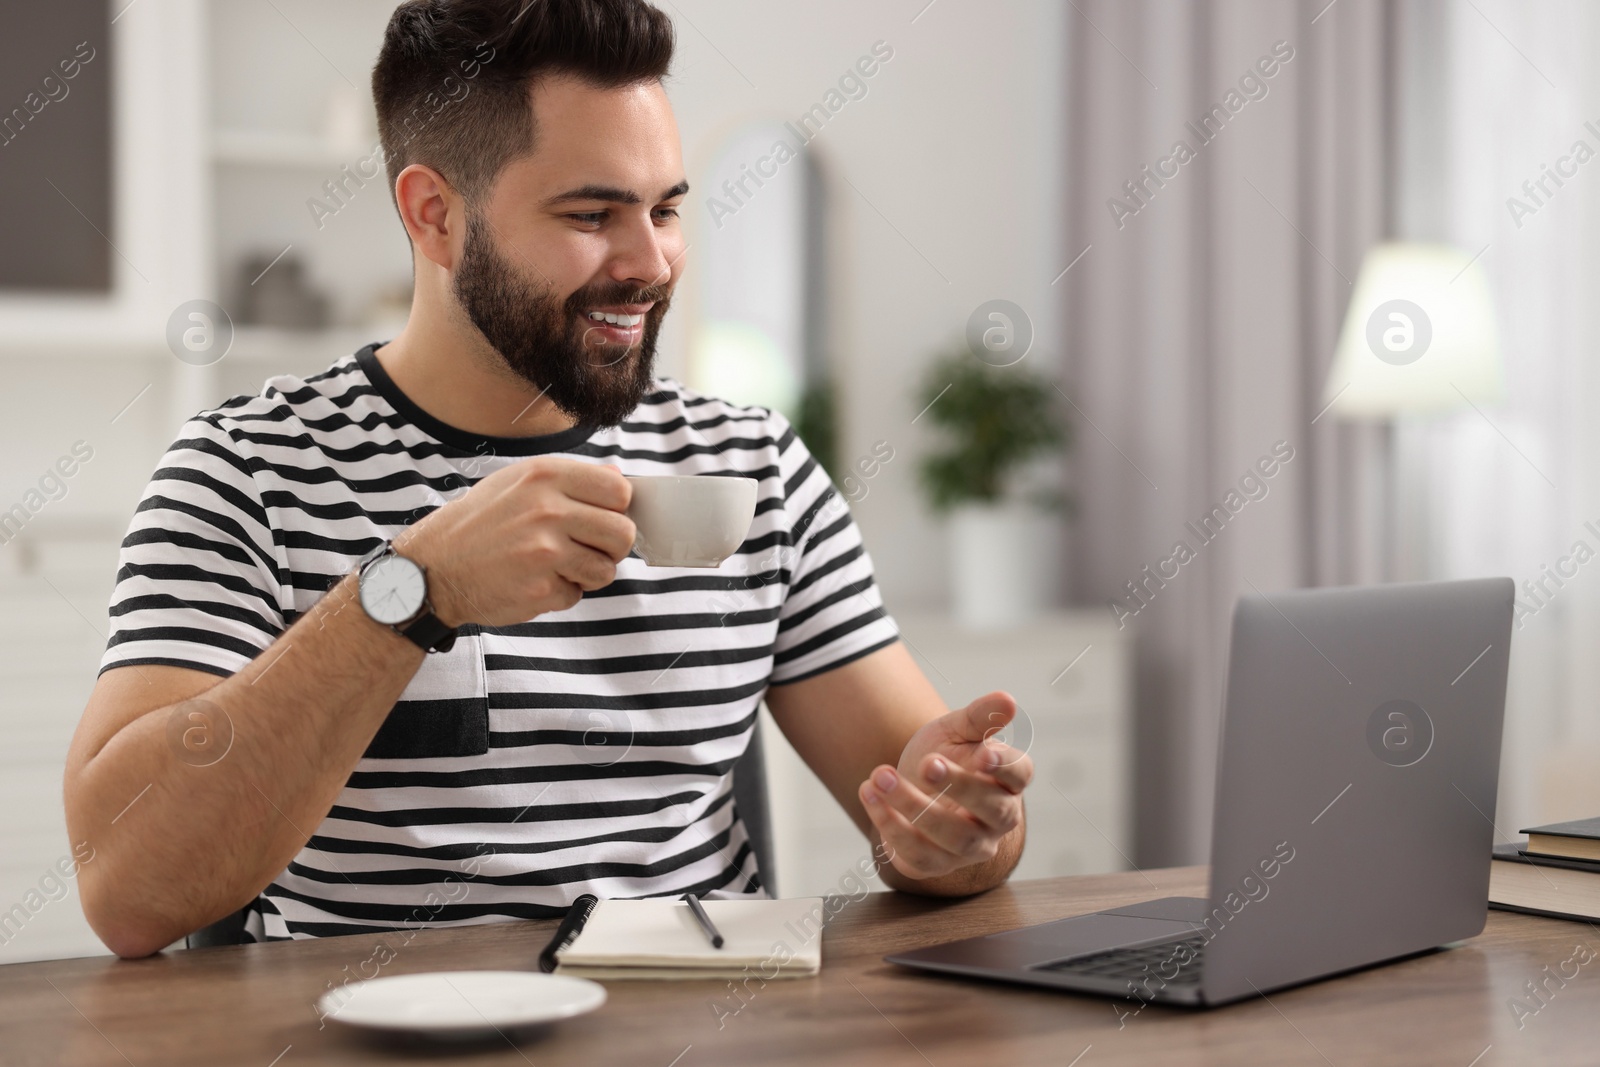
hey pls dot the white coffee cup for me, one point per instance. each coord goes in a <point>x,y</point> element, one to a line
<point>690,520</point>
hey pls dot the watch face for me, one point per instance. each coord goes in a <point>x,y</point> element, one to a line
<point>393,590</point>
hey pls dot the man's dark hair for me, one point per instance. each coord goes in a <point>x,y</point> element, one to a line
<point>452,80</point>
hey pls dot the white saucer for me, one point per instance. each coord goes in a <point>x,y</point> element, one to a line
<point>461,1003</point>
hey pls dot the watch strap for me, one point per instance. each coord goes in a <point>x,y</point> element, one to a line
<point>429,633</point>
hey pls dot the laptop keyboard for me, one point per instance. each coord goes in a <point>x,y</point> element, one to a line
<point>1141,962</point>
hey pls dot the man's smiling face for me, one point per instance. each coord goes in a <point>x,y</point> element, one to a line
<point>570,265</point>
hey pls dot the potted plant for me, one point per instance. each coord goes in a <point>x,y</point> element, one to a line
<point>996,424</point>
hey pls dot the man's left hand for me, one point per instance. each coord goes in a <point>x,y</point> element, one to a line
<point>956,794</point>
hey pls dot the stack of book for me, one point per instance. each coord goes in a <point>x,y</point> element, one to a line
<point>1555,873</point>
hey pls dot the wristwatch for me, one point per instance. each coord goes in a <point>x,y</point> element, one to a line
<point>394,592</point>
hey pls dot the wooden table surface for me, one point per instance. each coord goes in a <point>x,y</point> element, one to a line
<point>252,1006</point>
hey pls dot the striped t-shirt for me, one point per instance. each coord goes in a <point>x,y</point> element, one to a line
<point>585,751</point>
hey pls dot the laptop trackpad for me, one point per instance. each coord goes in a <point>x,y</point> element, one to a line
<point>1080,935</point>
<point>1154,920</point>
<point>1092,933</point>
<point>1187,909</point>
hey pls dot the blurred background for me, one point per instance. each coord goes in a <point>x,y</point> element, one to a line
<point>1053,288</point>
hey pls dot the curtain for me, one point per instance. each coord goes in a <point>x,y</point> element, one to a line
<point>1503,92</point>
<point>1200,319</point>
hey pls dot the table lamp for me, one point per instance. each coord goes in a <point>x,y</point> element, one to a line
<point>1418,339</point>
<point>1419,336</point>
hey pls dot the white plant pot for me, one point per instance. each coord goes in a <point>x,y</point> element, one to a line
<point>1005,564</point>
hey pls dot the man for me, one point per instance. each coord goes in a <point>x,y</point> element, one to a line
<point>267,730</point>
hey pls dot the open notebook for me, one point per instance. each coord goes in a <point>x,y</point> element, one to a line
<point>659,938</point>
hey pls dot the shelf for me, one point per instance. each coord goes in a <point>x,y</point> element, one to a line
<point>288,150</point>
<point>79,340</point>
<point>269,344</point>
<point>251,344</point>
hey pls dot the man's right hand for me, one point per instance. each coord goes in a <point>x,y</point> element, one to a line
<point>530,538</point>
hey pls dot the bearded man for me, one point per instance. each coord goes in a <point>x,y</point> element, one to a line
<point>403,586</point>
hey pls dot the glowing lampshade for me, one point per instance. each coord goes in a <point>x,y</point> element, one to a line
<point>1419,336</point>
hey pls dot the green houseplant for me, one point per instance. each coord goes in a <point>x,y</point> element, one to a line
<point>995,421</point>
<point>993,424</point>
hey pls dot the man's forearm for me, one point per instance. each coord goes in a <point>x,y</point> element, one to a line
<point>200,841</point>
<point>964,881</point>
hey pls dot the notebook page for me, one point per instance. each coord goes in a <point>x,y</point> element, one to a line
<point>663,932</point>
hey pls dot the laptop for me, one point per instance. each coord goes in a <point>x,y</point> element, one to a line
<point>1354,811</point>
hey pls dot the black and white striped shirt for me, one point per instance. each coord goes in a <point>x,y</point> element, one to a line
<point>585,751</point>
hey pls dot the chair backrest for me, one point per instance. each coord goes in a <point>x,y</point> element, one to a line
<point>228,930</point>
<point>750,798</point>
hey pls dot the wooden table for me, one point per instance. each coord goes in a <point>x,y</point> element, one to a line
<point>252,1006</point>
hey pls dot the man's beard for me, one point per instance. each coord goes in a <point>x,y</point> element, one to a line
<point>549,341</point>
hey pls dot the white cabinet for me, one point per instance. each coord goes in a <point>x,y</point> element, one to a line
<point>1070,673</point>
<point>51,636</point>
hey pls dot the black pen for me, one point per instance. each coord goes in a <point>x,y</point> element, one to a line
<point>703,919</point>
<point>569,929</point>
